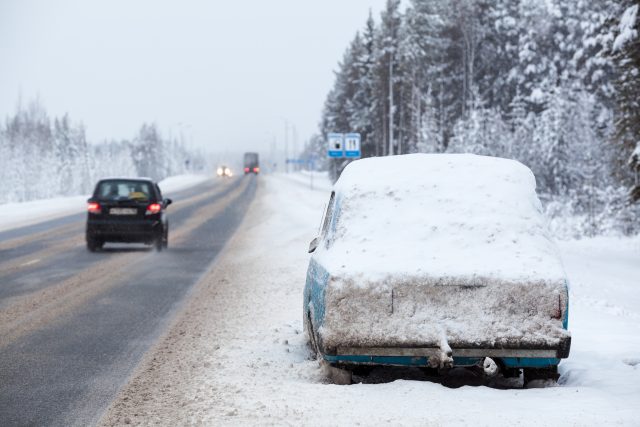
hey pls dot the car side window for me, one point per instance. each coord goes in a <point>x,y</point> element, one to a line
<point>158,192</point>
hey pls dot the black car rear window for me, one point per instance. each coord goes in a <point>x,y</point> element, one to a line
<point>122,189</point>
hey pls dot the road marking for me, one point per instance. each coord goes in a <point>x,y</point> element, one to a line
<point>33,261</point>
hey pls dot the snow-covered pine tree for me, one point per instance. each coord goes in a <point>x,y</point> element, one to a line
<point>387,42</point>
<point>365,106</point>
<point>428,25</point>
<point>626,50</point>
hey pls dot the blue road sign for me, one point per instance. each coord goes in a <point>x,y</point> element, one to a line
<point>335,145</point>
<point>352,146</point>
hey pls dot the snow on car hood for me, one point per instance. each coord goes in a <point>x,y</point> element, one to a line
<point>460,216</point>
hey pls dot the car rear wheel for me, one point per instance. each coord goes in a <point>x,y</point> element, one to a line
<point>94,244</point>
<point>165,238</point>
<point>540,377</point>
<point>311,339</point>
<point>158,244</point>
<point>337,375</point>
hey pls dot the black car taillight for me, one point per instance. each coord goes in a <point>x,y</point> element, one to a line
<point>153,208</point>
<point>94,208</point>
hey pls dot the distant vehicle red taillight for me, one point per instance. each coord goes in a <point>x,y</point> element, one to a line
<point>153,208</point>
<point>246,169</point>
<point>256,169</point>
<point>94,207</point>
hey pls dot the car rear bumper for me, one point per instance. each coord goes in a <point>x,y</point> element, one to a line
<point>468,356</point>
<point>130,231</point>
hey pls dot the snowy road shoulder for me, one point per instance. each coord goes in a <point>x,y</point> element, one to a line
<point>237,354</point>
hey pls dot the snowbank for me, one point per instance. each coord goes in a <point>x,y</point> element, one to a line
<point>14,215</point>
<point>317,181</point>
<point>180,182</point>
<point>440,215</point>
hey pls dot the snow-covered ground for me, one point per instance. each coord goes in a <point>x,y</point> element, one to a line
<point>13,215</point>
<point>237,354</point>
<point>181,182</point>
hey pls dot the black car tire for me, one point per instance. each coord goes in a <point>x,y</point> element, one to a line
<point>165,238</point>
<point>158,244</point>
<point>542,375</point>
<point>94,244</point>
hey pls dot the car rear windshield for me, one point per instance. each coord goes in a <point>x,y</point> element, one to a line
<point>122,189</point>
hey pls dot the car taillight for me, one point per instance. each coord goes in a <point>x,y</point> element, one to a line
<point>94,207</point>
<point>246,169</point>
<point>256,170</point>
<point>153,208</point>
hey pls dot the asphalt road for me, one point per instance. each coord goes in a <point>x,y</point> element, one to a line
<point>74,324</point>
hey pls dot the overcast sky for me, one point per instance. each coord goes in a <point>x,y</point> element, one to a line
<point>224,73</point>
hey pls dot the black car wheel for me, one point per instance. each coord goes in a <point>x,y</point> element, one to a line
<point>158,243</point>
<point>94,244</point>
<point>165,237</point>
<point>542,375</point>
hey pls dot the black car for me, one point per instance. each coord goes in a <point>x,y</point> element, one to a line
<point>127,210</point>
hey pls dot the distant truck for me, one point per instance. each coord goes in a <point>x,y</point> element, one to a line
<point>251,164</point>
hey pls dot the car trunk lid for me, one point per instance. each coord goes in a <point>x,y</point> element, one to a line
<point>432,313</point>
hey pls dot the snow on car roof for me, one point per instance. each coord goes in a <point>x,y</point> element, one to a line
<point>440,215</point>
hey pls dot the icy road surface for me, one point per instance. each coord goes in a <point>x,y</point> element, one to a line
<point>236,353</point>
<point>74,324</point>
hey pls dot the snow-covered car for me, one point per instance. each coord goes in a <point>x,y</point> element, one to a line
<point>437,260</point>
